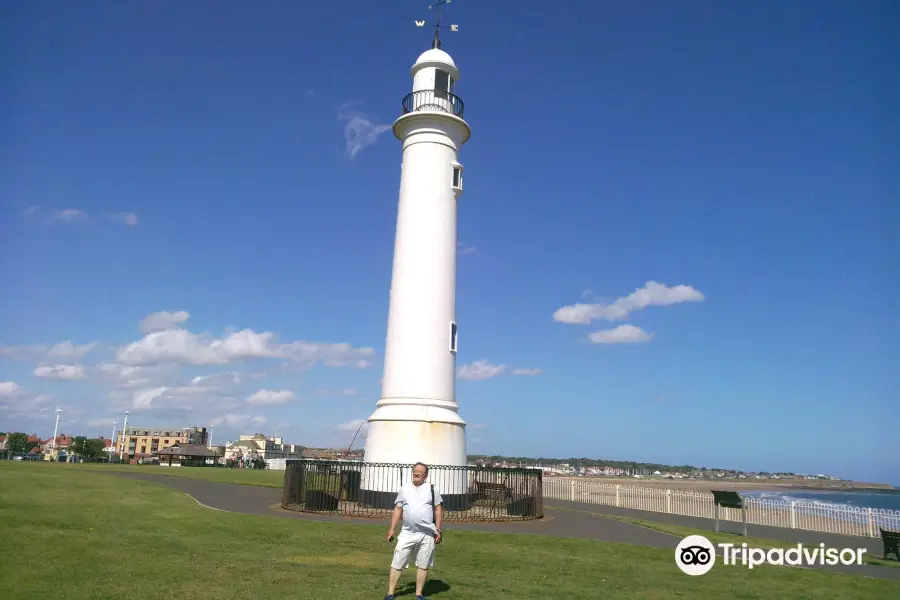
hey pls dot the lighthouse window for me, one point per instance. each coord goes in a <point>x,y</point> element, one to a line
<point>454,331</point>
<point>441,83</point>
<point>457,177</point>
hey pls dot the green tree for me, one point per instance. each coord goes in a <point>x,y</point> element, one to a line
<point>94,448</point>
<point>15,443</point>
<point>85,447</point>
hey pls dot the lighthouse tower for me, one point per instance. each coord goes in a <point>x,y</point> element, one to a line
<point>417,419</point>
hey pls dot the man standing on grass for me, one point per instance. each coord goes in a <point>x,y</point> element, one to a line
<point>420,507</point>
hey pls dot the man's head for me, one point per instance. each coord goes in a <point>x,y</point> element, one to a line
<point>420,473</point>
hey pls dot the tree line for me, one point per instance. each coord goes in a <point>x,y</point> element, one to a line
<point>18,443</point>
<point>626,465</point>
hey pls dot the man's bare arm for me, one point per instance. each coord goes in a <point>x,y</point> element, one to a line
<point>438,516</point>
<point>395,518</point>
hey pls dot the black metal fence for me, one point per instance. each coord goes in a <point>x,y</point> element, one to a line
<point>433,101</point>
<point>360,489</point>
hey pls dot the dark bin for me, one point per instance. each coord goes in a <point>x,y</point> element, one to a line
<point>523,507</point>
<point>350,481</point>
<point>319,500</point>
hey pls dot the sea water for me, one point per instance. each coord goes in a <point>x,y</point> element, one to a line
<point>880,499</point>
<point>881,507</point>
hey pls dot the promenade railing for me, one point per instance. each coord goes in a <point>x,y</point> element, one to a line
<point>811,516</point>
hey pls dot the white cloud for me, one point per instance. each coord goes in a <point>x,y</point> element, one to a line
<point>652,294</point>
<point>62,350</point>
<point>61,372</point>
<point>178,398</point>
<point>9,389</point>
<point>17,402</point>
<point>480,369</point>
<point>127,376</point>
<point>527,372</point>
<point>67,349</point>
<point>180,346</point>
<point>342,392</point>
<point>238,421</point>
<point>155,389</point>
<point>623,334</point>
<point>266,397</point>
<point>354,425</point>
<point>129,219</point>
<point>69,215</point>
<point>359,131</point>
<point>162,320</point>
<point>171,376</point>
<point>465,248</point>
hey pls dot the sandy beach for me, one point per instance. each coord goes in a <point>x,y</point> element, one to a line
<point>705,485</point>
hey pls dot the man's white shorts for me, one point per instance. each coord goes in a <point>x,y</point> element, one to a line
<point>420,545</point>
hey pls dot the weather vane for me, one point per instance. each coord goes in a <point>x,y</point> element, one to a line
<point>437,24</point>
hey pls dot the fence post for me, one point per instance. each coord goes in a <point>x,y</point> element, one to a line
<point>618,501</point>
<point>869,522</point>
<point>573,491</point>
<point>668,501</point>
<point>793,515</point>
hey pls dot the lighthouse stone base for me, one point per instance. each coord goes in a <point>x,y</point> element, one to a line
<point>402,443</point>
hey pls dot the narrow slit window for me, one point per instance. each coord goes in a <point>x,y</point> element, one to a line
<point>454,334</point>
<point>457,177</point>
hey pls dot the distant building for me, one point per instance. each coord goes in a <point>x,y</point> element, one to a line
<point>146,442</point>
<point>250,447</point>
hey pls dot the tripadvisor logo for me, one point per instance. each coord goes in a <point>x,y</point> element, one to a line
<point>696,555</point>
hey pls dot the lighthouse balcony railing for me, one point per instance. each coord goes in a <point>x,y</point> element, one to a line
<point>433,101</point>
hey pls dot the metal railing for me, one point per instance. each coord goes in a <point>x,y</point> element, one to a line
<point>825,518</point>
<point>433,101</point>
<point>360,489</point>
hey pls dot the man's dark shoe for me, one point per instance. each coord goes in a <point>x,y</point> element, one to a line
<point>389,597</point>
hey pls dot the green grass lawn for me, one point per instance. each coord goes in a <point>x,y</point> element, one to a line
<point>262,478</point>
<point>94,537</point>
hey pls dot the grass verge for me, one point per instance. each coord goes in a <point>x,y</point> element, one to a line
<point>263,478</point>
<point>102,538</point>
<point>717,537</point>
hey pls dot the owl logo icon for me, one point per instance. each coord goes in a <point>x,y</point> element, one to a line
<point>695,555</point>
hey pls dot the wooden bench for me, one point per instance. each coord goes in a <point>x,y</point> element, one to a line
<point>492,491</point>
<point>891,541</point>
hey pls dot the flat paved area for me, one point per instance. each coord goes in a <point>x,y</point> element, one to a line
<point>575,520</point>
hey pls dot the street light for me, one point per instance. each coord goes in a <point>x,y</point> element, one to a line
<point>124,430</point>
<point>55,430</point>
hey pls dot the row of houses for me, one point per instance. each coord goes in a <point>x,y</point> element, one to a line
<point>184,446</point>
<point>59,448</point>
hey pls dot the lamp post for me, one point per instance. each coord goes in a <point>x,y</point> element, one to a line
<point>124,441</point>
<point>55,430</point>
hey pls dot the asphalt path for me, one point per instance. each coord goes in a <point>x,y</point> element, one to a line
<point>562,519</point>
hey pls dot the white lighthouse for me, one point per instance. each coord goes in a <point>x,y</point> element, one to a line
<point>417,417</point>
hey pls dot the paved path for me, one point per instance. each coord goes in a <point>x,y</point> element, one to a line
<point>562,519</point>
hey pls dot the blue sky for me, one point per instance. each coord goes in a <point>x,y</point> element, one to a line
<point>232,165</point>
